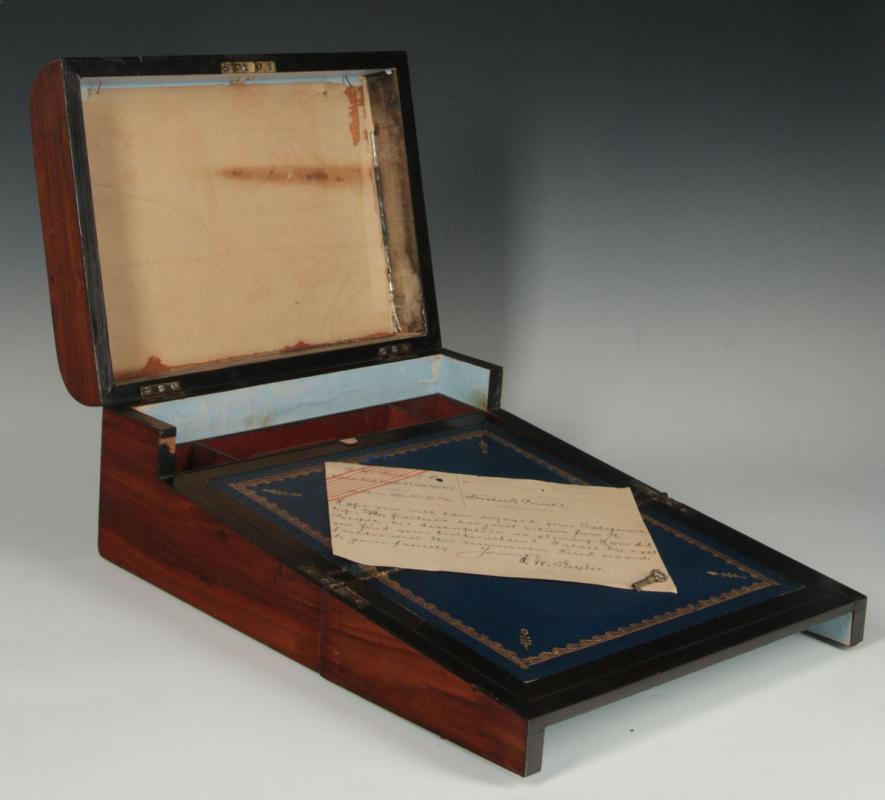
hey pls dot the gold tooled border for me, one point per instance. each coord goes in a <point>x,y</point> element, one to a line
<point>248,488</point>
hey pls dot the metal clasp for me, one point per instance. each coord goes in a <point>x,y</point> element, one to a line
<point>242,67</point>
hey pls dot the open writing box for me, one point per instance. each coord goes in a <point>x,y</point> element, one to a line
<point>240,275</point>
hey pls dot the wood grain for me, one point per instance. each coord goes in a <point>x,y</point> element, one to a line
<point>151,530</point>
<point>304,432</point>
<point>61,236</point>
<point>436,406</point>
<point>362,422</point>
<point>365,658</point>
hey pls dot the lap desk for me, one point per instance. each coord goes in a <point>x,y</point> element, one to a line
<point>240,276</point>
<point>529,628</point>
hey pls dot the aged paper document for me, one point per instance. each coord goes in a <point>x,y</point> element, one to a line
<point>424,519</point>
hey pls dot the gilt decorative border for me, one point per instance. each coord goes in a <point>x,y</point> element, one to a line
<point>250,488</point>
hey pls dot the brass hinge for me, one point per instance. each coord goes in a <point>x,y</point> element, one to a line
<point>243,67</point>
<point>348,594</point>
<point>156,390</point>
<point>390,351</point>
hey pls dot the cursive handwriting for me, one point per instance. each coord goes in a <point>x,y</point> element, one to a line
<point>492,526</point>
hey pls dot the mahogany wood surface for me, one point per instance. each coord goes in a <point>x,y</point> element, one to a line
<point>61,236</point>
<point>435,406</point>
<point>276,438</point>
<point>312,431</point>
<point>363,657</point>
<point>151,530</point>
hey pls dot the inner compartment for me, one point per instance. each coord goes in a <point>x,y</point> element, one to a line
<point>244,218</point>
<point>250,408</point>
<point>348,426</point>
<point>237,424</point>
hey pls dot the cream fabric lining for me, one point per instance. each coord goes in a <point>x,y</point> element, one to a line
<point>235,221</point>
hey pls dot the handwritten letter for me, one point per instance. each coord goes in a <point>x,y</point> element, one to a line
<point>423,519</point>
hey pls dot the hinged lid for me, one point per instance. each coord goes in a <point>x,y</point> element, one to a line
<point>213,222</point>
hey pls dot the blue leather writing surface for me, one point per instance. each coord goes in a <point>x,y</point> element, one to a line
<point>532,628</point>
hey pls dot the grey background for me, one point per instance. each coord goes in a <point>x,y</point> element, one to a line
<point>666,222</point>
